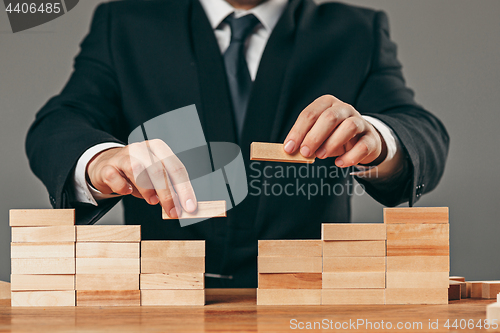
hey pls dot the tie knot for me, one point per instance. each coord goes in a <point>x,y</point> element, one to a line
<point>241,27</point>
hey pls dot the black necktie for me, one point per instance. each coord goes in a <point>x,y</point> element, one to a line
<point>238,75</point>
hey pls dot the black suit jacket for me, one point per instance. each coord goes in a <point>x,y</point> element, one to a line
<point>142,59</point>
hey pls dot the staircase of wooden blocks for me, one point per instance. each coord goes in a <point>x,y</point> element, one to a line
<point>405,260</point>
<point>172,273</point>
<point>290,272</point>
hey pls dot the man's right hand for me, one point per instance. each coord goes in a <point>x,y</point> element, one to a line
<point>147,170</point>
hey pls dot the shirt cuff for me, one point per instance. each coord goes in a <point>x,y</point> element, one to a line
<point>83,191</point>
<point>392,164</point>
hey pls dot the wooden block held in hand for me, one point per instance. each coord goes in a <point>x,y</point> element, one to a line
<point>417,247</point>
<point>454,291</point>
<point>290,264</point>
<point>418,264</point>
<point>42,250</point>
<point>352,296</point>
<point>43,234</point>
<point>290,248</point>
<point>274,152</point>
<point>354,280</point>
<point>290,281</point>
<point>172,281</point>
<point>354,248</point>
<point>206,209</point>
<point>417,280</point>
<point>107,250</point>
<point>173,297</point>
<point>416,215</point>
<point>416,296</point>
<point>418,231</point>
<point>108,298</point>
<point>108,233</point>
<point>43,298</point>
<point>41,217</point>
<point>353,231</point>
<point>4,290</point>
<point>107,266</point>
<point>107,281</point>
<point>173,265</point>
<point>43,266</point>
<point>288,296</point>
<point>354,264</point>
<point>21,282</point>
<point>170,249</point>
<point>491,289</point>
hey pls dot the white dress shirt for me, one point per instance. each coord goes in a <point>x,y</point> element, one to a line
<point>268,14</point>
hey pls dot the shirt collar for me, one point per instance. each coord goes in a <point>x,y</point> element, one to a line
<point>267,12</point>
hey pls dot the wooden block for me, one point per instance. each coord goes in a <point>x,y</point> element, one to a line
<point>43,234</point>
<point>418,264</point>
<point>108,250</point>
<point>416,215</point>
<point>173,265</point>
<point>290,248</point>
<point>468,292</point>
<point>353,231</point>
<point>42,282</point>
<point>4,290</point>
<point>417,247</point>
<point>454,291</point>
<point>476,289</point>
<point>288,296</point>
<point>42,250</point>
<point>108,233</point>
<point>352,296</point>
<point>107,281</point>
<point>491,289</point>
<point>169,249</point>
<point>108,298</point>
<point>107,266</point>
<point>173,281</point>
<point>43,298</point>
<point>417,280</point>
<point>354,280</point>
<point>493,312</point>
<point>416,296</point>
<point>354,264</point>
<point>206,209</point>
<point>354,249</point>
<point>498,298</point>
<point>457,278</point>
<point>418,231</point>
<point>290,264</point>
<point>274,152</point>
<point>43,266</point>
<point>463,287</point>
<point>41,217</point>
<point>172,297</point>
<point>290,281</point>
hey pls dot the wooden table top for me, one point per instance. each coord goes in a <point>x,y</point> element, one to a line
<point>235,310</point>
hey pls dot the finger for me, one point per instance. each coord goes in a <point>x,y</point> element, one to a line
<point>177,174</point>
<point>305,122</point>
<point>115,181</point>
<point>365,147</point>
<point>322,129</point>
<point>347,130</point>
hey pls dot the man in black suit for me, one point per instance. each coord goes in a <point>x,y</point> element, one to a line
<point>322,79</point>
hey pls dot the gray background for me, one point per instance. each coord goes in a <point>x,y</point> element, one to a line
<point>450,50</point>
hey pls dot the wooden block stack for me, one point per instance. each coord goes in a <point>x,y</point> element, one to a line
<point>290,272</point>
<point>43,257</point>
<point>172,273</point>
<point>108,265</point>
<point>353,263</point>
<point>417,255</point>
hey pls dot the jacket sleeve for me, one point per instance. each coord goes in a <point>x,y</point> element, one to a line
<point>86,112</point>
<point>384,95</point>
